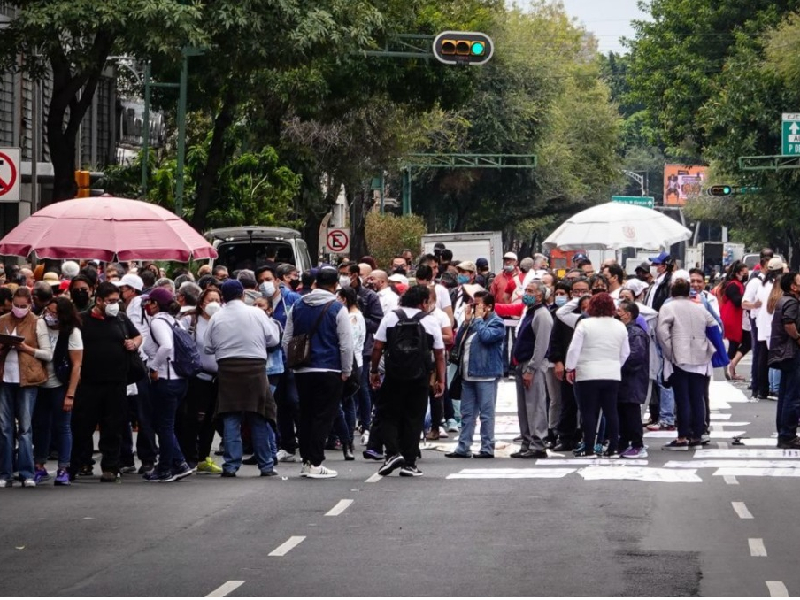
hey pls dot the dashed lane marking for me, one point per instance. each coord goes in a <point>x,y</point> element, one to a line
<point>777,589</point>
<point>511,474</point>
<point>725,463</point>
<point>741,509</point>
<point>757,547</point>
<point>288,545</point>
<point>340,507</point>
<point>730,480</point>
<point>225,589</point>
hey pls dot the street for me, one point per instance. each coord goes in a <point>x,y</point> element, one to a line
<point>718,521</point>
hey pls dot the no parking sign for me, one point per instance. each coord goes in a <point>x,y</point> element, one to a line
<point>9,174</point>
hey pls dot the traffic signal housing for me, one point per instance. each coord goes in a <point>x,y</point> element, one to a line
<point>463,48</point>
<point>719,190</point>
<point>83,181</point>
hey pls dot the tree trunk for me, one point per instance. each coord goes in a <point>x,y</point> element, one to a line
<point>358,224</point>
<point>216,157</point>
<point>310,231</point>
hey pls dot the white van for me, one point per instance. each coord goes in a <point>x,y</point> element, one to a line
<point>250,247</point>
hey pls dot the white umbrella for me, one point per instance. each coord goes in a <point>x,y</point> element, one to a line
<point>614,225</point>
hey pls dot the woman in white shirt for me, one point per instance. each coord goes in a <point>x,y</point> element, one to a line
<point>345,424</point>
<point>594,362</point>
<point>53,412</point>
<point>437,404</point>
<point>167,387</point>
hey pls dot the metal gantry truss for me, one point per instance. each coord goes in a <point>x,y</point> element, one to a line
<point>769,163</point>
<point>404,46</point>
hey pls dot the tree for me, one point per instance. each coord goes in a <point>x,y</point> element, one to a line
<point>72,40</point>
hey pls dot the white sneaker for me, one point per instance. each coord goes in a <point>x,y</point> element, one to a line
<point>365,437</point>
<point>305,470</point>
<point>284,456</point>
<point>29,483</point>
<point>452,426</point>
<point>4,483</point>
<point>321,472</point>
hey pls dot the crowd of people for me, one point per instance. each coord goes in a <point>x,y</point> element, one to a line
<point>285,366</point>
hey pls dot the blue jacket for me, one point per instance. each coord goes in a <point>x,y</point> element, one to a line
<point>486,350</point>
<point>288,298</point>
<point>636,370</point>
<point>326,346</point>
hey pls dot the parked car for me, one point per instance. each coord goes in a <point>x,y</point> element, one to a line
<point>251,247</point>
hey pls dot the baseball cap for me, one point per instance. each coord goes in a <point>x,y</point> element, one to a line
<point>398,278</point>
<point>510,255</point>
<point>232,289</point>
<point>131,280</point>
<point>774,264</point>
<point>467,265</point>
<point>481,263</point>
<point>643,268</point>
<point>660,259</point>
<point>327,275</point>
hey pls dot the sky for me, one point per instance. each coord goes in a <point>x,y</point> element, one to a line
<point>607,19</point>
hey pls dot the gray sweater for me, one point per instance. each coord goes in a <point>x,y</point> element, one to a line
<point>681,332</point>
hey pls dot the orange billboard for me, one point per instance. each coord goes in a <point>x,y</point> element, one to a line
<point>682,181</point>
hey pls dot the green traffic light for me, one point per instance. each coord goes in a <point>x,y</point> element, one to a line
<point>478,48</point>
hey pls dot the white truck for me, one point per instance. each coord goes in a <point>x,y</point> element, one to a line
<point>470,246</point>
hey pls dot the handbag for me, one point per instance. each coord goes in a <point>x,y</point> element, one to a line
<point>456,386</point>
<point>298,350</point>
<point>136,369</point>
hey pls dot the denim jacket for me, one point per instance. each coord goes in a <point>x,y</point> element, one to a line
<point>486,351</point>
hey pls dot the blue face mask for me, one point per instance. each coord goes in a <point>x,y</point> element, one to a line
<point>463,279</point>
<point>528,300</point>
<point>561,300</point>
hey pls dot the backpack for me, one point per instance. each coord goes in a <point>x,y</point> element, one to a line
<point>408,348</point>
<point>187,359</point>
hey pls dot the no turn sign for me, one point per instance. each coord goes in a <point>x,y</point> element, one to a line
<point>9,174</point>
<point>338,241</point>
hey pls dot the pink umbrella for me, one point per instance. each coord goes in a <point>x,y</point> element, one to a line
<point>105,227</point>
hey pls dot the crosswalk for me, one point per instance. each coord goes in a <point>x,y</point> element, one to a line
<point>749,457</point>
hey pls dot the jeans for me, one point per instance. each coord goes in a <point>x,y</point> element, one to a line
<point>595,395</point>
<point>167,396</point>
<point>48,416</point>
<point>263,441</point>
<point>666,405</point>
<point>478,399</point>
<point>16,403</point>
<point>690,400</point>
<point>774,380</point>
<point>320,395</point>
<point>788,409</point>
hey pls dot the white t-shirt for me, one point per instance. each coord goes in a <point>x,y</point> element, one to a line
<point>388,300</point>
<point>359,328</point>
<point>75,342</point>
<point>442,298</point>
<point>442,317</point>
<point>764,318</point>
<point>11,367</point>
<point>430,323</point>
<point>751,295</point>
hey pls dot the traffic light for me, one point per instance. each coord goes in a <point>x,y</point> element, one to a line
<point>83,181</point>
<point>463,48</point>
<point>719,190</point>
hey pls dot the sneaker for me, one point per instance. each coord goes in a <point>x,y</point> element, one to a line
<point>452,425</point>
<point>29,483</point>
<point>598,448</point>
<point>270,473</point>
<point>372,454</point>
<point>110,477</point>
<point>305,470</point>
<point>228,474</point>
<point>127,469</point>
<point>40,474</point>
<point>157,477</point>
<point>62,478</point>
<point>443,433</point>
<point>145,468</point>
<point>583,453</point>
<point>209,466</point>
<point>392,463</point>
<point>284,456</point>
<point>182,471</point>
<point>320,472</point>
<point>634,453</point>
<point>365,437</point>
<point>455,454</point>
<point>676,445</point>
<point>412,471</point>
<point>6,483</point>
<point>609,454</point>
<point>86,471</point>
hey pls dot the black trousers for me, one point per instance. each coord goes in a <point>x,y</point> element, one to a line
<point>594,395</point>
<point>194,424</point>
<point>763,370</point>
<point>568,416</point>
<point>320,395</point>
<point>375,436</point>
<point>106,404</point>
<point>630,425</point>
<point>403,407</point>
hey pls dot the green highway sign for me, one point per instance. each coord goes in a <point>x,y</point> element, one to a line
<point>790,134</point>
<point>646,201</point>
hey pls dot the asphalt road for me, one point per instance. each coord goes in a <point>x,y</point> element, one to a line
<point>550,528</point>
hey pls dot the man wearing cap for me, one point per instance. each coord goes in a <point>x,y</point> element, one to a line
<point>238,336</point>
<point>398,283</point>
<point>503,281</point>
<point>483,277</point>
<point>659,293</point>
<point>321,379</point>
<point>643,273</point>
<point>466,280</point>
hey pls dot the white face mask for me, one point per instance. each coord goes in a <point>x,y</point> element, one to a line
<point>112,310</point>
<point>212,308</point>
<point>344,281</point>
<point>268,289</point>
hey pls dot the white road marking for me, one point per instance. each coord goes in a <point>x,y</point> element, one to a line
<point>286,546</point>
<point>340,507</point>
<point>554,462</point>
<point>747,453</point>
<point>741,509</point>
<point>511,474</point>
<point>716,416</point>
<point>730,480</point>
<point>754,442</point>
<point>722,445</point>
<point>374,478</point>
<point>719,405</point>
<point>639,474</point>
<point>730,424</point>
<point>714,434</point>
<point>757,547</point>
<point>225,589</point>
<point>721,463</point>
<point>777,589</point>
<point>726,391</point>
<point>757,472</point>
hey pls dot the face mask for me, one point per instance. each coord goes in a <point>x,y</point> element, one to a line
<point>463,279</point>
<point>50,320</point>
<point>561,300</point>
<point>112,310</point>
<point>212,308</point>
<point>344,281</point>
<point>20,313</point>
<point>294,284</point>
<point>268,289</point>
<point>529,300</point>
<point>508,268</point>
<point>80,298</point>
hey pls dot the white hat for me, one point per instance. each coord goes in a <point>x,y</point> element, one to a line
<point>510,255</point>
<point>398,278</point>
<point>70,269</point>
<point>131,280</point>
<point>636,286</point>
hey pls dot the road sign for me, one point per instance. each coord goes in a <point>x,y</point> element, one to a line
<point>9,174</point>
<point>338,240</point>
<point>790,134</point>
<point>646,201</point>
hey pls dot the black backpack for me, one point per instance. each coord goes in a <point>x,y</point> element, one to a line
<point>408,348</point>
<point>62,364</point>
